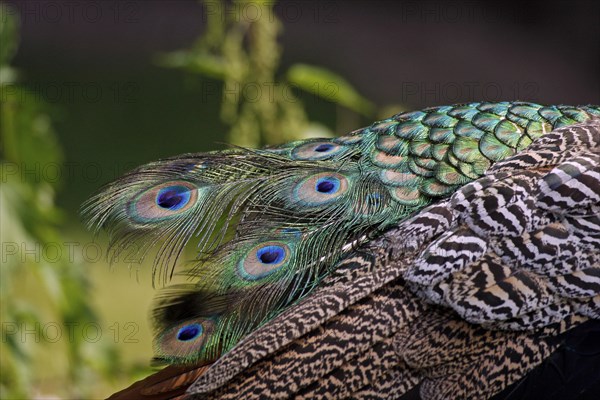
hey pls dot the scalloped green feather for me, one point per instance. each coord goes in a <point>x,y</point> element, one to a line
<point>412,130</point>
<point>466,149</point>
<point>439,119</point>
<point>486,121</point>
<point>466,129</point>
<point>494,149</point>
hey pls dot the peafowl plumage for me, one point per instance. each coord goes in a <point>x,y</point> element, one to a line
<point>323,249</point>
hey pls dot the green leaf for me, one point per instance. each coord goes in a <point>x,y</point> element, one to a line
<point>202,63</point>
<point>329,86</point>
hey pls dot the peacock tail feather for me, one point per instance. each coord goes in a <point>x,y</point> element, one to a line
<point>271,224</point>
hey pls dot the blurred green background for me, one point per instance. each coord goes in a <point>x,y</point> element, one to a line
<point>90,89</point>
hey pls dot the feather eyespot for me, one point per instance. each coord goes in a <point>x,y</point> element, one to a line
<point>173,197</point>
<point>320,189</point>
<point>328,185</point>
<point>189,332</point>
<point>264,260</point>
<point>185,340</point>
<point>270,254</point>
<point>324,147</point>
<point>319,150</point>
<point>164,200</point>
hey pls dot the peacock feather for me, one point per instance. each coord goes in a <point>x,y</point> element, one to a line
<point>271,224</point>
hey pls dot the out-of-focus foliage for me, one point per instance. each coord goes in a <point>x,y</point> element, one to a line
<point>35,254</point>
<point>9,41</point>
<point>330,86</point>
<point>243,52</point>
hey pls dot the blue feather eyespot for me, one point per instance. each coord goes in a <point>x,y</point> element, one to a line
<point>184,340</point>
<point>163,201</point>
<point>319,189</point>
<point>324,147</point>
<point>189,332</point>
<point>328,185</point>
<point>318,150</point>
<point>270,254</point>
<point>173,197</point>
<point>263,260</point>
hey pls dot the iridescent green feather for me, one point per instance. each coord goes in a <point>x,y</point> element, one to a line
<point>270,224</point>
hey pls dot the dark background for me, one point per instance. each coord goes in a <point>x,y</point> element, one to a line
<point>114,108</point>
